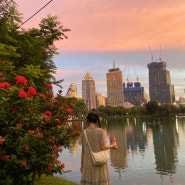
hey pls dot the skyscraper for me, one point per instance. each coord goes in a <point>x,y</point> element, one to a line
<point>88,91</point>
<point>72,91</point>
<point>115,95</point>
<point>134,93</point>
<point>160,88</point>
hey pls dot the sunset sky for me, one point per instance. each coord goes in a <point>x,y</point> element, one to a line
<point>103,31</point>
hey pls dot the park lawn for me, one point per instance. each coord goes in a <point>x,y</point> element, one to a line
<point>51,180</point>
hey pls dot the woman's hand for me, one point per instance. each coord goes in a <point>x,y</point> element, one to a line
<point>114,146</point>
<point>107,147</point>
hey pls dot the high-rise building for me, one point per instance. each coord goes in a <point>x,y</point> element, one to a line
<point>160,88</point>
<point>100,100</point>
<point>88,91</point>
<point>72,91</point>
<point>134,93</point>
<point>115,95</point>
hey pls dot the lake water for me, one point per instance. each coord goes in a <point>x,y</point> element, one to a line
<point>149,153</point>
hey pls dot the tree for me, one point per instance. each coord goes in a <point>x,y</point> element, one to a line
<point>32,48</point>
<point>9,15</point>
<point>152,107</point>
<point>167,110</point>
<point>33,123</point>
<point>9,19</point>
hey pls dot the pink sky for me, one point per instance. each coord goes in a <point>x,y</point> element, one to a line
<point>116,25</point>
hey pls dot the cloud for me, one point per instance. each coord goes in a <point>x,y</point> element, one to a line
<point>124,26</point>
<point>102,25</point>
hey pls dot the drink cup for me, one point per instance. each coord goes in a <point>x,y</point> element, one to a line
<point>113,140</point>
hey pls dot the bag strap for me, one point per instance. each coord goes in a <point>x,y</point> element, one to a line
<point>87,140</point>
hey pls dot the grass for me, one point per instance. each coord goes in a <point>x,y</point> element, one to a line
<point>50,180</point>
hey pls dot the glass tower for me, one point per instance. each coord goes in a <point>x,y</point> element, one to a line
<point>160,88</point>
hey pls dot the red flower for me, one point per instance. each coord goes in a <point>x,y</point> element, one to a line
<point>62,165</point>
<point>60,149</point>
<point>72,104</point>
<point>69,110</point>
<point>14,110</point>
<point>25,147</point>
<point>19,125</point>
<point>23,163</point>
<point>58,122</point>
<point>31,111</point>
<point>61,108</point>
<point>4,157</point>
<point>1,74</point>
<point>42,96</point>
<point>49,86</point>
<point>4,85</point>
<point>52,141</point>
<point>46,118</point>
<point>49,167</point>
<point>22,94</point>
<point>2,139</point>
<point>55,147</point>
<point>76,126</point>
<point>21,80</point>
<point>52,95</point>
<point>30,131</point>
<point>40,135</point>
<point>32,91</point>
<point>48,113</point>
<point>49,104</point>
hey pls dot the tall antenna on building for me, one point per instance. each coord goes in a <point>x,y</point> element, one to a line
<point>152,58</point>
<point>137,78</point>
<point>113,64</point>
<point>160,54</point>
<point>128,75</point>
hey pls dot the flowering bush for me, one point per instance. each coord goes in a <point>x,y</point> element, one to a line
<point>33,130</point>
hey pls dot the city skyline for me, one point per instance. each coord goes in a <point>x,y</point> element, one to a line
<point>103,31</point>
<point>133,79</point>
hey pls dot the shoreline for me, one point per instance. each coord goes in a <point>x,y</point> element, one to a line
<point>53,180</point>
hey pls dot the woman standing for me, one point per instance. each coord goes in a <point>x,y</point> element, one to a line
<point>92,174</point>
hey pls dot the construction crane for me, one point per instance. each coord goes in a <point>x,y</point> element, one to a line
<point>152,58</point>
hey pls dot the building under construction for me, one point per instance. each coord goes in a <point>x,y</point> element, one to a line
<point>134,93</point>
<point>160,88</point>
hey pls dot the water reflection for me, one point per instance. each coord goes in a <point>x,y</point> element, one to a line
<point>118,156</point>
<point>74,147</point>
<point>166,141</point>
<point>149,154</point>
<point>136,136</point>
